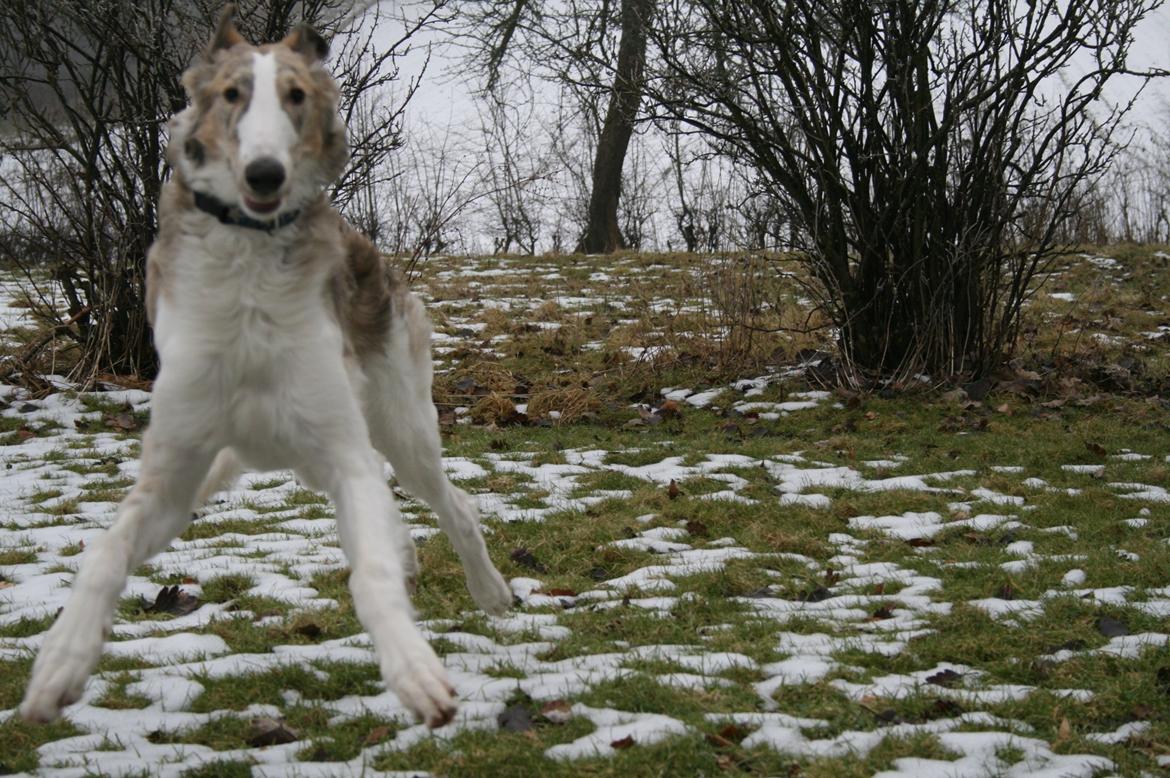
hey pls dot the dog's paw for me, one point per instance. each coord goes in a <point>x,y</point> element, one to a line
<point>490,591</point>
<point>58,680</point>
<point>420,681</point>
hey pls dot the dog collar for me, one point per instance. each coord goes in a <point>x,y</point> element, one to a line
<point>233,215</point>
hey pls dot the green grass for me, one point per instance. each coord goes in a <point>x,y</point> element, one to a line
<point>1072,417</point>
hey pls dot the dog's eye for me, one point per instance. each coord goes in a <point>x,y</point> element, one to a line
<point>296,95</point>
<point>231,94</point>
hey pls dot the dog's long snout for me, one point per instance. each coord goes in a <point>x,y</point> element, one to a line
<point>264,175</point>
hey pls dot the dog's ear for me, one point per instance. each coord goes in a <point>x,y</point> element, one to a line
<point>307,42</point>
<point>226,35</point>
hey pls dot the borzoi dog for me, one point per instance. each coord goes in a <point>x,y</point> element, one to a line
<point>284,342</point>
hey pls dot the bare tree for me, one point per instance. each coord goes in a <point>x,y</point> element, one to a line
<point>574,43</point>
<point>86,88</point>
<point>926,150</point>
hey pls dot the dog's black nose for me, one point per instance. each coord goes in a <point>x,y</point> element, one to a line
<point>264,175</point>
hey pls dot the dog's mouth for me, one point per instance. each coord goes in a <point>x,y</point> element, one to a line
<point>262,206</point>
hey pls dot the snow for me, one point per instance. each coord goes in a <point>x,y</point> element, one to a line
<point>817,611</point>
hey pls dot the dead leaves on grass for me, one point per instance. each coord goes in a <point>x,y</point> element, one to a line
<point>171,600</point>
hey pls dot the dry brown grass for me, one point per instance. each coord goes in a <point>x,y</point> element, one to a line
<point>572,403</point>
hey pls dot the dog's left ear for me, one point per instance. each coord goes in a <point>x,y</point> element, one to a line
<point>307,42</point>
<point>226,35</point>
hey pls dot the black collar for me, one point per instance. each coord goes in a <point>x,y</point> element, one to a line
<point>233,215</point>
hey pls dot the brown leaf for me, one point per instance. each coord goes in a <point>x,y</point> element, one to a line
<point>270,732</point>
<point>559,592</point>
<point>626,742</point>
<point>524,558</point>
<point>172,600</point>
<point>124,421</point>
<point>670,410</point>
<point>1063,732</point>
<point>377,735</point>
<point>556,712</point>
<point>947,678</point>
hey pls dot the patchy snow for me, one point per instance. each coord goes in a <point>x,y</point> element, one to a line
<point>816,611</point>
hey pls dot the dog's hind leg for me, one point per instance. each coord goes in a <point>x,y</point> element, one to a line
<point>225,469</point>
<point>405,428</point>
<point>156,510</point>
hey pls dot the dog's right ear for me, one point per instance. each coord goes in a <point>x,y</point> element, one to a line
<point>226,35</point>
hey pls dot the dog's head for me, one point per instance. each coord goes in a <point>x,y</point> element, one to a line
<point>262,130</point>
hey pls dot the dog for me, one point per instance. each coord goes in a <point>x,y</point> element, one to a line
<point>284,342</point>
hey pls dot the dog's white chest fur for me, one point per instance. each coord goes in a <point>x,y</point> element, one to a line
<point>249,336</point>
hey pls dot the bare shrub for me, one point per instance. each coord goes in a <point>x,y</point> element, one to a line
<point>926,152</point>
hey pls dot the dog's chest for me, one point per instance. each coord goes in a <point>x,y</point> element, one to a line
<point>246,305</point>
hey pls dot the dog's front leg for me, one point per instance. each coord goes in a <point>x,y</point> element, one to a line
<point>156,510</point>
<point>378,583</point>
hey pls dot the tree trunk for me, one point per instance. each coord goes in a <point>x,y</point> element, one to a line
<point>602,234</point>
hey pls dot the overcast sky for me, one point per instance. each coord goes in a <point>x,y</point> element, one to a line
<point>445,100</point>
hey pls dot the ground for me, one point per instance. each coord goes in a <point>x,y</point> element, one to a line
<point>720,565</point>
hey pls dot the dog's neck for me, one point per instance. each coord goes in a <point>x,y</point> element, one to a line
<point>234,215</point>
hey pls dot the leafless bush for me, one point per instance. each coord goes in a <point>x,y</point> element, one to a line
<point>924,149</point>
<point>516,170</point>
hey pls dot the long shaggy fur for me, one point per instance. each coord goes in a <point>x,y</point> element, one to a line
<point>284,342</point>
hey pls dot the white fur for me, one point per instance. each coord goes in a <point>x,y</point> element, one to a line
<point>254,375</point>
<point>265,129</point>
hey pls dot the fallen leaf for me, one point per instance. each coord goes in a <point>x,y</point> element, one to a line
<point>1063,732</point>
<point>977,390</point>
<point>524,558</point>
<point>945,709</point>
<point>377,735</point>
<point>556,712</point>
<point>626,742</point>
<point>816,595</point>
<point>669,410</point>
<point>515,718</point>
<point>270,732</point>
<point>1162,677</point>
<point>1111,627</point>
<point>946,678</point>
<point>559,592</point>
<point>172,600</point>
